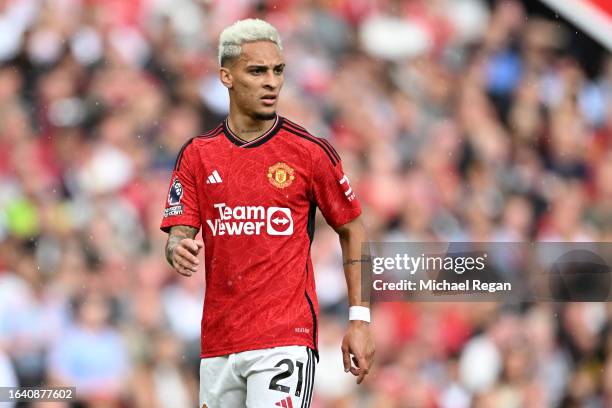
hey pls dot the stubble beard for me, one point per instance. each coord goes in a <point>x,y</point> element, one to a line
<point>264,116</point>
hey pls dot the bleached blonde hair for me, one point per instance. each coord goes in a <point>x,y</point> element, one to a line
<point>243,31</point>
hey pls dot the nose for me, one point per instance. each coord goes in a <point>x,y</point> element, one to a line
<point>272,81</point>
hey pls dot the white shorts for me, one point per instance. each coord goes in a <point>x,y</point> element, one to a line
<point>266,378</point>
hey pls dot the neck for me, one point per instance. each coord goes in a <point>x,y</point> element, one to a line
<point>246,127</point>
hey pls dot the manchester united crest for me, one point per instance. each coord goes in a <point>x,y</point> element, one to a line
<point>280,175</point>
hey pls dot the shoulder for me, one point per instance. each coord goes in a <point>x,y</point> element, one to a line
<point>197,142</point>
<point>317,147</point>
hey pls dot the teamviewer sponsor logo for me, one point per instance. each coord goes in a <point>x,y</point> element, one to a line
<point>279,221</point>
<point>250,220</point>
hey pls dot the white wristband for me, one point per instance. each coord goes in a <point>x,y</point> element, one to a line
<point>359,313</point>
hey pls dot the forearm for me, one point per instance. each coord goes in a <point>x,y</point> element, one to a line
<point>357,344</point>
<point>352,236</point>
<point>176,235</point>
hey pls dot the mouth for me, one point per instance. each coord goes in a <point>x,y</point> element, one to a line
<point>269,99</point>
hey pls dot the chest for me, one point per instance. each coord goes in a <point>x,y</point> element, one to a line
<point>268,175</point>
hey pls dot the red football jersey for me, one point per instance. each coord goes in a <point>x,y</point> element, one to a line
<point>256,202</point>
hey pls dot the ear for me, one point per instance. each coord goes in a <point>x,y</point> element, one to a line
<point>226,77</point>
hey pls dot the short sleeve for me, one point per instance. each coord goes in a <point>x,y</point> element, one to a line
<point>332,189</point>
<point>182,207</point>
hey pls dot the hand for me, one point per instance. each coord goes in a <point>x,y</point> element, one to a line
<point>184,256</point>
<point>358,343</point>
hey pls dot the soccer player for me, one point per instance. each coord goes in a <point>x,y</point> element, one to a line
<point>253,184</point>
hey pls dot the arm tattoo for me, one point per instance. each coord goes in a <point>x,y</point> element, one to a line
<point>176,235</point>
<point>356,261</point>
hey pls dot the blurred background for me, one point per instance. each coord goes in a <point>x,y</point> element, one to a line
<point>456,120</point>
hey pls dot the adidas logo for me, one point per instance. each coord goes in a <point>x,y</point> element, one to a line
<point>214,178</point>
<point>285,403</point>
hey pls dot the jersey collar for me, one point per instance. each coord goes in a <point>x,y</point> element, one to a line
<point>232,137</point>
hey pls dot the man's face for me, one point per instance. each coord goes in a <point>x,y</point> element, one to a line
<point>255,79</point>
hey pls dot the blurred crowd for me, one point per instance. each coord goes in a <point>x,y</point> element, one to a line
<point>455,119</point>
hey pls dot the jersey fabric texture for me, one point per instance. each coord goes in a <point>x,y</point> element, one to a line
<point>255,202</point>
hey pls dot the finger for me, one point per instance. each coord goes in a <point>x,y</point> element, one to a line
<point>191,246</point>
<point>186,266</point>
<point>346,358</point>
<point>199,243</point>
<point>363,364</point>
<point>186,263</point>
<point>183,252</point>
<point>183,271</point>
<point>361,376</point>
<point>364,369</point>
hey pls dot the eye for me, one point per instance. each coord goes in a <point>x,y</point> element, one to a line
<point>279,70</point>
<point>257,71</point>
